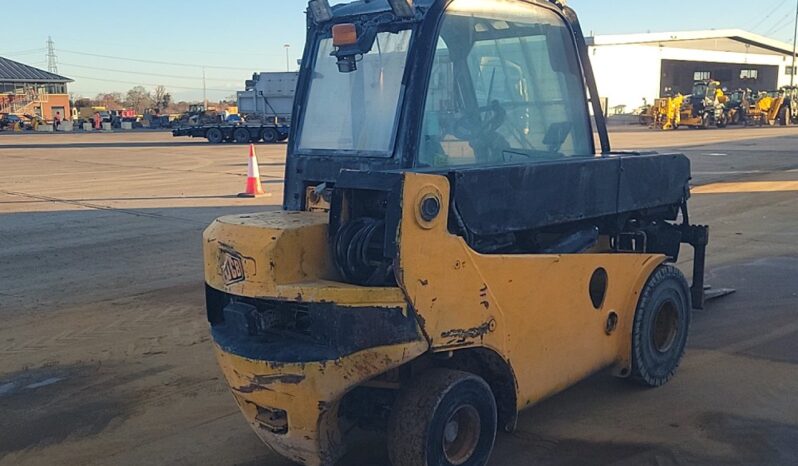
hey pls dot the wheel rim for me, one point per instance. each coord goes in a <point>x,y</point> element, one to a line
<point>461,435</point>
<point>666,327</point>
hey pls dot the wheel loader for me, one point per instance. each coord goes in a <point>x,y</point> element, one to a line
<point>453,247</point>
<point>775,108</point>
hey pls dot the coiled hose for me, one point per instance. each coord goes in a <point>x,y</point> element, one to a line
<point>358,252</point>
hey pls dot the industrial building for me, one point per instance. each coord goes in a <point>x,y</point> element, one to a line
<point>28,90</point>
<point>632,67</point>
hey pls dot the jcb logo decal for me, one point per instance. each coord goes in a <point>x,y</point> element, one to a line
<point>232,268</point>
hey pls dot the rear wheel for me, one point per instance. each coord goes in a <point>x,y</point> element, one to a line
<point>661,325</point>
<point>446,418</point>
<point>241,136</point>
<point>214,135</point>
<point>269,135</point>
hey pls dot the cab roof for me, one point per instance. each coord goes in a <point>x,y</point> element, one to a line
<point>361,7</point>
<point>365,7</point>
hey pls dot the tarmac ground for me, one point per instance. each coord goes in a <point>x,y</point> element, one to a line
<point>105,355</point>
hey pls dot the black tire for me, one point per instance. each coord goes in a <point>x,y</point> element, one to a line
<point>661,326</point>
<point>214,135</point>
<point>445,418</point>
<point>241,136</point>
<point>269,135</point>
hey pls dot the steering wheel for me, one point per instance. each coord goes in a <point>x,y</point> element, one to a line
<point>473,129</point>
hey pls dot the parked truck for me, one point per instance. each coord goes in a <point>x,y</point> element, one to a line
<point>265,107</point>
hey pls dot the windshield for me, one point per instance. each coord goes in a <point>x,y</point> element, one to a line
<point>700,90</point>
<point>506,87</point>
<point>356,111</point>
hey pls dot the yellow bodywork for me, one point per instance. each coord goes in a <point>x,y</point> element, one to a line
<point>533,311</point>
<point>766,109</point>
<point>285,257</point>
<point>309,393</point>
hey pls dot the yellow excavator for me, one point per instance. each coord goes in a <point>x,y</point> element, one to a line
<point>454,246</point>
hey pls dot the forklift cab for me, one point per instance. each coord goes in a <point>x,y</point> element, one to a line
<point>503,84</point>
<point>705,96</point>
<point>453,247</point>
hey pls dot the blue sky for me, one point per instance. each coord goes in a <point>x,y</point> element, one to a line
<point>97,44</point>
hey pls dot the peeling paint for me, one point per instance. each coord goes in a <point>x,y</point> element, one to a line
<point>460,335</point>
<point>278,378</point>
<point>261,382</point>
<point>251,388</point>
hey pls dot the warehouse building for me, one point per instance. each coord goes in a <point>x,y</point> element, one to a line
<point>28,90</point>
<point>632,67</point>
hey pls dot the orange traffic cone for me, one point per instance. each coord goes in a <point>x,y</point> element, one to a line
<point>254,188</point>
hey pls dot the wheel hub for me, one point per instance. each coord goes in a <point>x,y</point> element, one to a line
<point>666,327</point>
<point>461,435</point>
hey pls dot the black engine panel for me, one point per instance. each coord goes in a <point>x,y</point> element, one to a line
<point>499,200</point>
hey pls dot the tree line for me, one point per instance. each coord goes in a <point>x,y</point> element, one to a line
<point>157,101</point>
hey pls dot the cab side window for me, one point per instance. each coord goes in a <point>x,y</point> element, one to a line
<point>504,89</point>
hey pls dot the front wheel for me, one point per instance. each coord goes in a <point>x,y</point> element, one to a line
<point>446,418</point>
<point>661,325</point>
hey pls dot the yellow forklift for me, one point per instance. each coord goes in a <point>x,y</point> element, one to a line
<point>452,248</point>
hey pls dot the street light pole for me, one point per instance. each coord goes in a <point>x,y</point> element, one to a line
<point>794,46</point>
<point>204,90</point>
<point>288,63</point>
